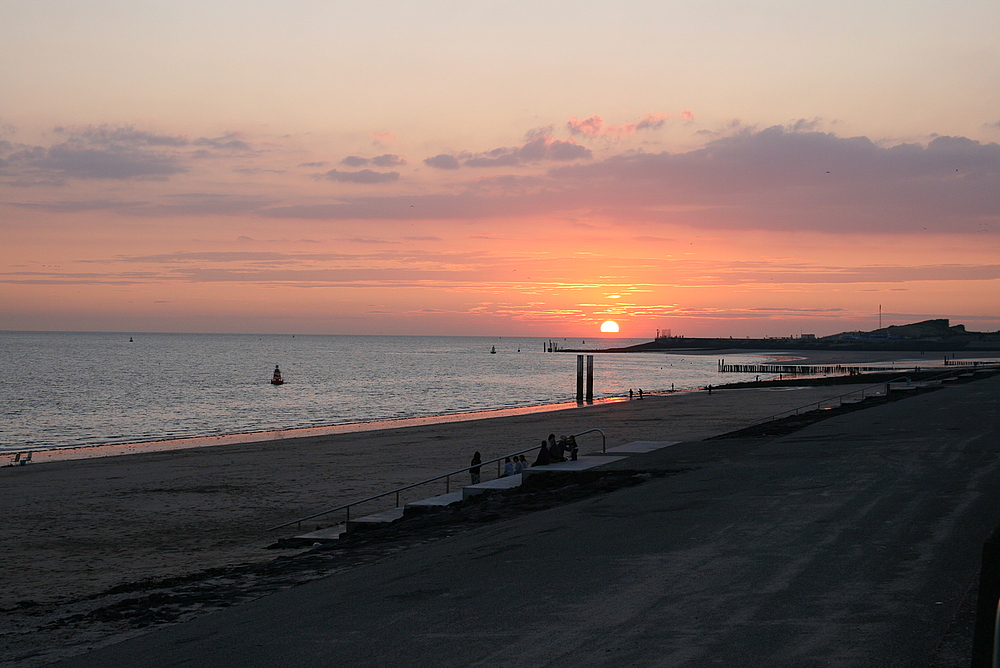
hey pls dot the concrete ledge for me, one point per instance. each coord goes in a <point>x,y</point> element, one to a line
<point>582,464</point>
<point>510,482</point>
<point>637,447</point>
<point>330,533</point>
<point>435,501</point>
<point>385,517</point>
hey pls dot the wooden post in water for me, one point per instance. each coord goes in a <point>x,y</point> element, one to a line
<point>579,379</point>
<point>590,379</point>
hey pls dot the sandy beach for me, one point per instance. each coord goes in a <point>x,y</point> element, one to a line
<point>77,529</point>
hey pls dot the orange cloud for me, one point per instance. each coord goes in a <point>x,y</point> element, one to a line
<point>594,126</point>
<point>588,126</point>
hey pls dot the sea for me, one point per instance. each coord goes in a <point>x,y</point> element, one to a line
<point>77,389</point>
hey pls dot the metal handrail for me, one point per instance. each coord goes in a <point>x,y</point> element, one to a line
<point>604,439</point>
<point>446,476</point>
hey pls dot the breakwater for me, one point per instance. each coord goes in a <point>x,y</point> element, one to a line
<point>809,369</point>
<point>836,369</point>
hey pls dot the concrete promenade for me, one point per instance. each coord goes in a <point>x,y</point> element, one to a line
<point>849,543</point>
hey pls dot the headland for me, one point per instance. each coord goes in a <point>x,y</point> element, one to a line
<point>929,336</point>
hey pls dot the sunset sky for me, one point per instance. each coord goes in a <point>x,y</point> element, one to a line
<point>728,168</point>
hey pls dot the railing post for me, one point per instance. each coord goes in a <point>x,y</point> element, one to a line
<point>579,379</point>
<point>447,485</point>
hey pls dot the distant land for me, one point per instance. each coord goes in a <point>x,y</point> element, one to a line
<point>929,335</point>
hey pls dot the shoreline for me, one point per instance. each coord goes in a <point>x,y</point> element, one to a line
<point>45,454</point>
<point>157,513</point>
<point>84,534</point>
<point>73,453</point>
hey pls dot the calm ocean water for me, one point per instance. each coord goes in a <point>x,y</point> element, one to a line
<point>79,389</point>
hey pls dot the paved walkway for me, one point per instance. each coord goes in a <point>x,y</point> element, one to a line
<point>849,543</point>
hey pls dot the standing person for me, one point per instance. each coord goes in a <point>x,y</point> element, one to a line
<point>630,395</point>
<point>474,471</point>
<point>640,393</point>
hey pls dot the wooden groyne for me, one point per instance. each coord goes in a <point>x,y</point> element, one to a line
<point>808,369</point>
<point>837,369</point>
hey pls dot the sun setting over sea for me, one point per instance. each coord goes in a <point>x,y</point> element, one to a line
<point>726,169</point>
<point>499,332</point>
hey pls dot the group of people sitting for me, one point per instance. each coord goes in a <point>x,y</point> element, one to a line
<point>551,451</point>
<point>514,465</point>
<point>556,451</point>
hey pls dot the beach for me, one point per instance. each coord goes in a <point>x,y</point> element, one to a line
<point>848,541</point>
<point>77,530</point>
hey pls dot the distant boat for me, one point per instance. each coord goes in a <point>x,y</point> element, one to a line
<point>276,378</point>
<point>493,350</point>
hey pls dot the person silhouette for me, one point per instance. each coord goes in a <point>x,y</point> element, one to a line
<point>475,469</point>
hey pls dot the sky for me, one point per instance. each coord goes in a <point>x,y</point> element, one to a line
<point>712,168</point>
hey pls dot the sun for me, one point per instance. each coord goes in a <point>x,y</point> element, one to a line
<point>609,326</point>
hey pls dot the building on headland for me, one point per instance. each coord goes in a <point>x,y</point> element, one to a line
<point>928,336</point>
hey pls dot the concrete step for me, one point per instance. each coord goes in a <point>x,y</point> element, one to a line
<point>582,464</point>
<point>510,482</point>
<point>637,448</point>
<point>896,387</point>
<point>324,535</point>
<point>384,517</point>
<point>435,501</point>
